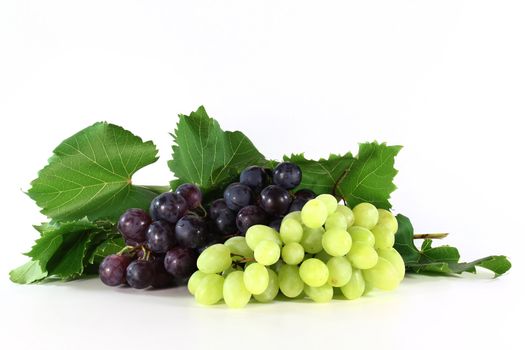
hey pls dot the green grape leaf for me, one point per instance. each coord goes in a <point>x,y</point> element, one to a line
<point>30,272</point>
<point>111,245</point>
<point>89,175</point>
<point>206,155</point>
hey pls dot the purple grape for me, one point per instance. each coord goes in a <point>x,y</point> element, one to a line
<point>180,262</point>
<point>275,200</point>
<point>225,223</point>
<point>305,194</point>
<point>217,207</point>
<point>169,207</point>
<point>160,237</point>
<point>287,175</point>
<point>112,270</point>
<point>237,196</point>
<point>249,216</point>
<point>161,278</point>
<point>276,224</point>
<point>297,204</point>
<point>133,225</point>
<point>139,274</point>
<point>191,193</point>
<point>254,177</point>
<point>191,231</point>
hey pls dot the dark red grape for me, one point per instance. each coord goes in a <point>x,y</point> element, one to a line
<point>217,207</point>
<point>139,274</point>
<point>225,223</point>
<point>287,175</point>
<point>305,194</point>
<point>180,262</point>
<point>160,237</point>
<point>276,224</point>
<point>249,216</point>
<point>275,200</point>
<point>237,196</point>
<point>112,270</point>
<point>191,231</point>
<point>297,204</point>
<point>133,225</point>
<point>169,207</point>
<point>191,193</point>
<point>254,177</point>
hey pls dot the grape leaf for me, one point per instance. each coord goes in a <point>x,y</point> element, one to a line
<point>206,155</point>
<point>111,245</point>
<point>30,272</point>
<point>90,174</point>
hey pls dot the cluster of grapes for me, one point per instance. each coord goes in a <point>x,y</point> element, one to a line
<point>324,248</point>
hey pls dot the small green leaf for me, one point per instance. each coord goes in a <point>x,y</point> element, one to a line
<point>30,272</point>
<point>111,245</point>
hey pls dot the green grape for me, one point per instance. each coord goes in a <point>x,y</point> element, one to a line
<point>238,246</point>
<point>214,259</point>
<point>329,201</point>
<point>314,213</point>
<point>256,278</point>
<point>336,220</point>
<point>383,237</point>
<point>271,291</point>
<point>209,290</point>
<point>291,231</point>
<point>228,271</point>
<point>290,282</point>
<point>295,215</point>
<point>361,234</point>
<point>194,281</point>
<point>383,275</point>
<point>234,291</point>
<point>322,294</point>
<point>292,253</point>
<point>314,272</point>
<point>267,252</point>
<point>362,256</point>
<point>395,259</point>
<point>368,288</point>
<point>366,215</point>
<point>340,271</point>
<point>355,287</point>
<point>258,233</point>
<point>388,220</point>
<point>312,240</point>
<point>337,242</point>
<point>347,213</point>
<point>323,256</point>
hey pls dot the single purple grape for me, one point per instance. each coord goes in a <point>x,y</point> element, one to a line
<point>237,196</point>
<point>191,193</point>
<point>112,270</point>
<point>133,225</point>
<point>287,175</point>
<point>191,231</point>
<point>169,207</point>
<point>180,262</point>
<point>217,207</point>
<point>297,204</point>
<point>226,222</point>
<point>139,274</point>
<point>249,216</point>
<point>254,177</point>
<point>275,200</point>
<point>160,237</point>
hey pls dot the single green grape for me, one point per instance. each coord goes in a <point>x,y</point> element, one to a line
<point>238,246</point>
<point>347,213</point>
<point>395,259</point>
<point>209,290</point>
<point>340,271</point>
<point>256,278</point>
<point>312,241</point>
<point>336,220</point>
<point>258,233</point>
<point>291,231</point>
<point>234,291</point>
<point>314,272</point>
<point>365,215</point>
<point>271,291</point>
<point>388,220</point>
<point>314,213</point>
<point>329,201</point>
<point>361,234</point>
<point>322,294</point>
<point>362,256</point>
<point>292,253</point>
<point>323,256</point>
<point>383,237</point>
<point>290,282</point>
<point>355,287</point>
<point>214,259</point>
<point>267,252</point>
<point>383,275</point>
<point>194,281</point>
<point>337,242</point>
<point>295,215</point>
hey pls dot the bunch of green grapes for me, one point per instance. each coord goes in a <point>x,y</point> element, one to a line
<point>323,249</point>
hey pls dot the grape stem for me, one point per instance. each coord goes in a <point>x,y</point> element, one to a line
<point>430,235</point>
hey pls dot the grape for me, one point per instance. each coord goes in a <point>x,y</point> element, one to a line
<point>365,215</point>
<point>287,175</point>
<point>291,231</point>
<point>160,237</point>
<point>161,277</point>
<point>225,222</point>
<point>293,253</point>
<point>271,291</point>
<point>297,205</point>
<point>180,262</point>
<point>383,275</point>
<point>314,272</point>
<point>388,220</point>
<point>355,287</point>
<point>249,216</point>
<point>340,271</point>
<point>337,242</point>
<point>276,224</point>
<point>139,274</point>
<point>322,294</point>
<point>254,177</point>
<point>168,207</point>
<point>312,240</point>
<point>395,259</point>
<point>329,201</point>
<point>293,215</point>
<point>290,282</point>
<point>112,270</point>
<point>234,291</point>
<point>214,259</point>
<point>362,255</point>
<point>217,207</point>
<point>314,213</point>
<point>238,246</point>
<point>133,225</point>
<point>336,220</point>
<point>237,195</point>
<point>191,193</point>
<point>305,194</point>
<point>347,213</point>
<point>361,234</point>
<point>383,238</point>
<point>191,232</point>
<point>209,290</point>
<point>258,233</point>
<point>256,278</point>
<point>267,252</point>
<point>275,200</point>
<point>194,281</point>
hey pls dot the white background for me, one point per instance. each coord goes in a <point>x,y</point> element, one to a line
<point>446,79</point>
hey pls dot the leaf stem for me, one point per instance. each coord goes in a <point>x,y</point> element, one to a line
<point>430,235</point>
